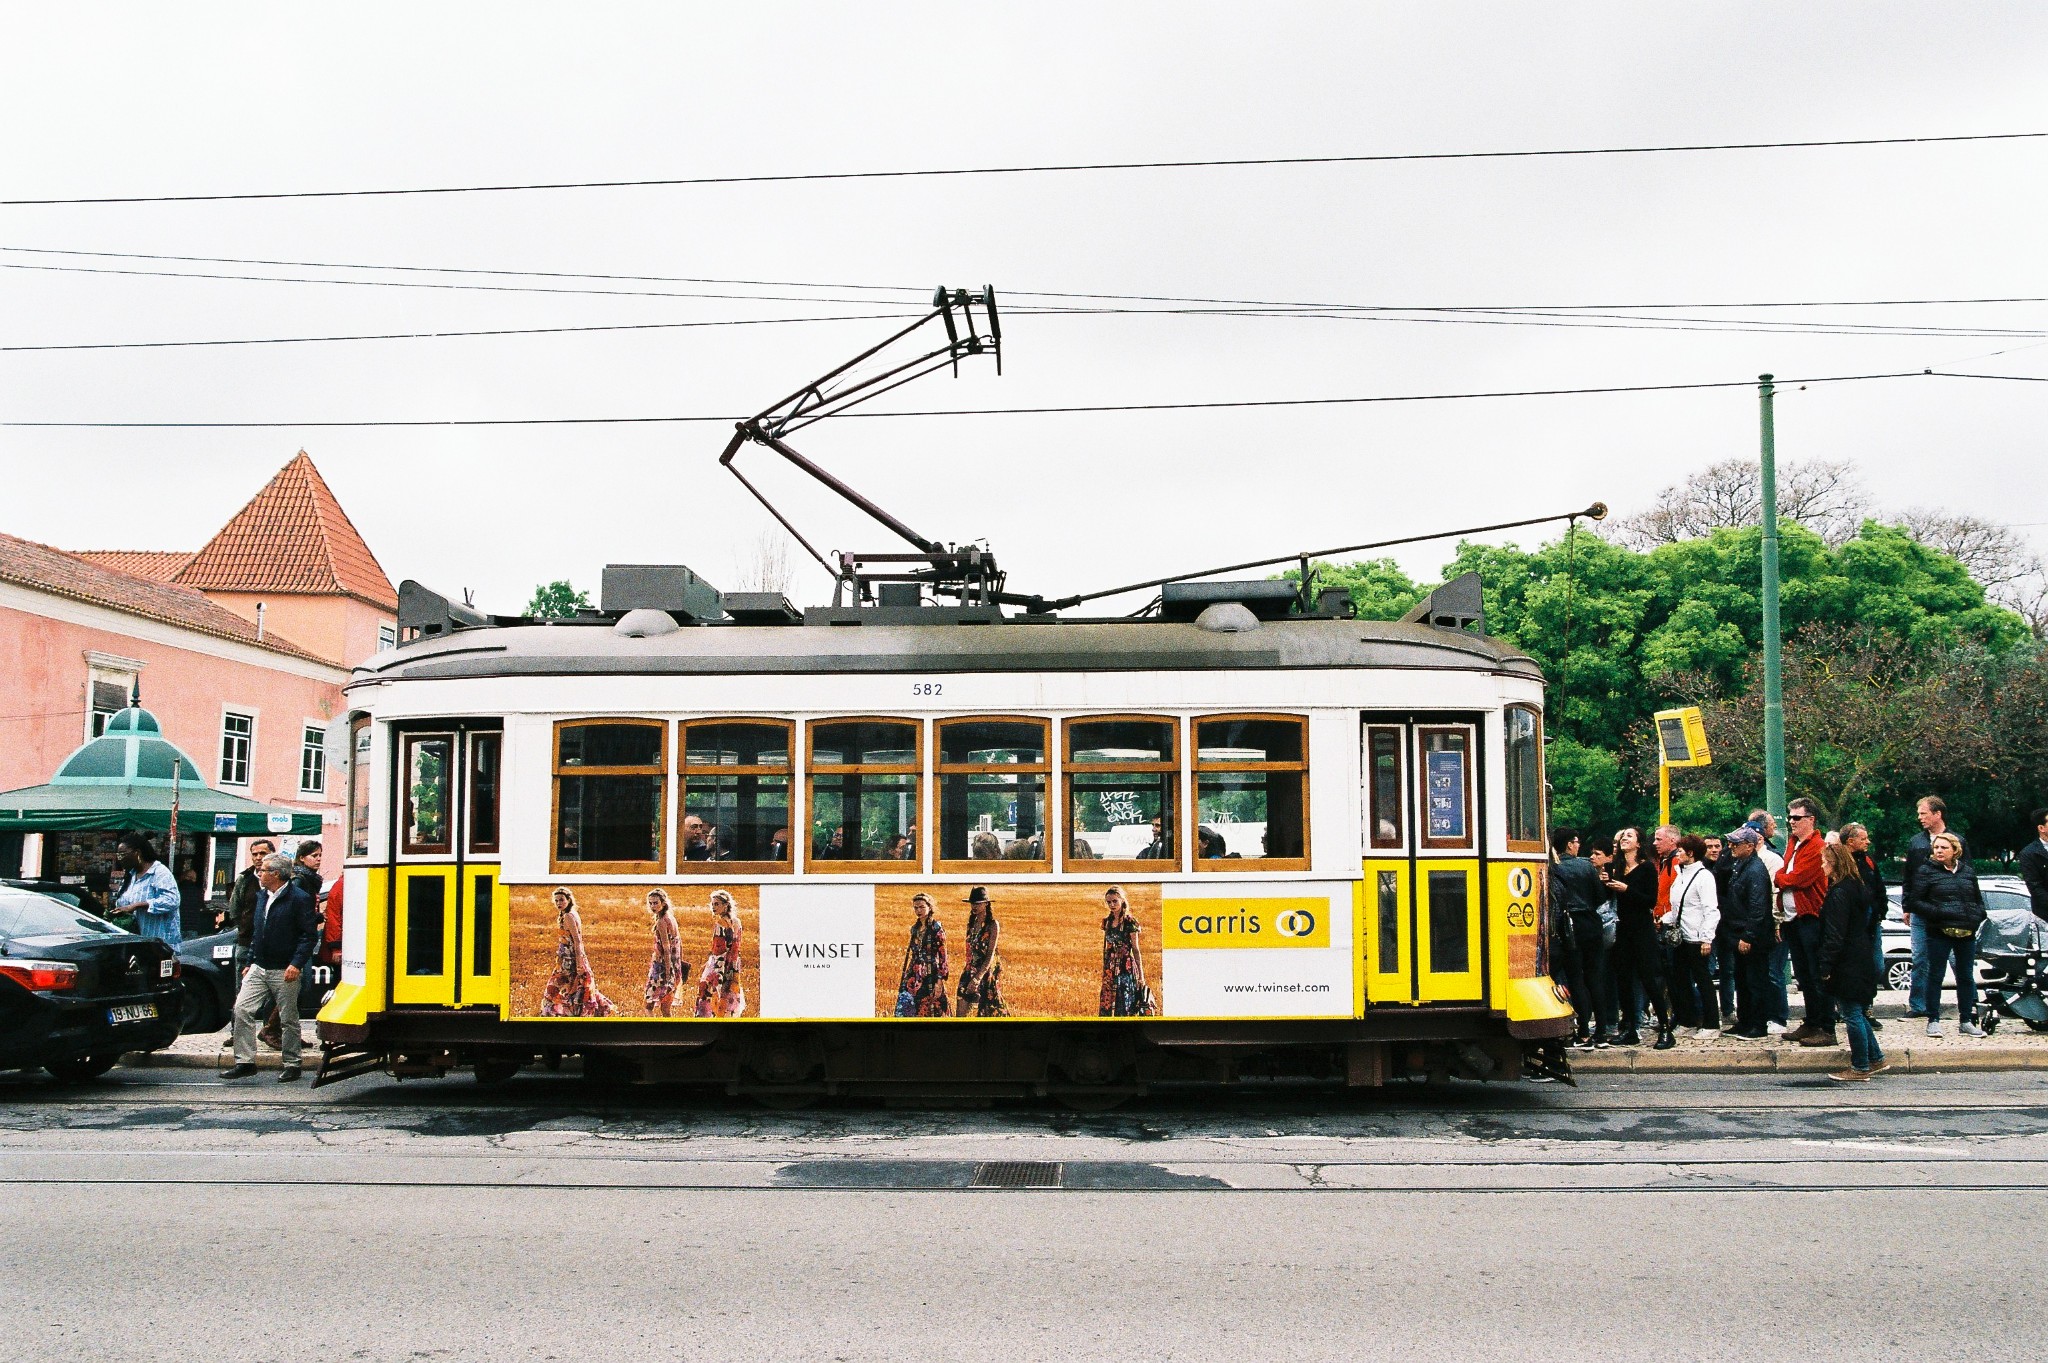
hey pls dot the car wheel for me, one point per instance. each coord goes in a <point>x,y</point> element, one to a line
<point>195,1008</point>
<point>1899,975</point>
<point>2034,1026</point>
<point>80,1068</point>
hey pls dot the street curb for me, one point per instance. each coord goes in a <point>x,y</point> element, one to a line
<point>1804,1060</point>
<point>216,1060</point>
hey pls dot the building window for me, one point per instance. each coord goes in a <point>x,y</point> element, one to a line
<point>109,686</point>
<point>387,637</point>
<point>359,786</point>
<point>1251,792</point>
<point>313,760</point>
<point>864,777</point>
<point>611,777</point>
<point>1524,751</point>
<point>237,740</point>
<point>992,775</point>
<point>735,800</point>
<point>1123,787</point>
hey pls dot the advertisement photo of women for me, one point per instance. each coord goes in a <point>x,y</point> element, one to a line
<point>1124,991</point>
<point>571,992</point>
<point>666,968</point>
<point>921,988</point>
<point>720,993</point>
<point>980,992</point>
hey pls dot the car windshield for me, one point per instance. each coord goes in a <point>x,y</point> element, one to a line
<point>24,913</point>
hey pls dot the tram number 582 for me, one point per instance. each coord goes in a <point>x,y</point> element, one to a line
<point>927,688</point>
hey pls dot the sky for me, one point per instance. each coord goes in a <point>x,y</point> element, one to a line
<point>147,100</point>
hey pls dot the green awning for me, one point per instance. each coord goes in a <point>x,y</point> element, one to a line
<point>127,778</point>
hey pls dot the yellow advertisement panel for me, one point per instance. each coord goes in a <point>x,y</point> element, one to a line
<point>1222,924</point>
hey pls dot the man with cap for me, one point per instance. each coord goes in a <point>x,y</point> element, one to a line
<point>1747,914</point>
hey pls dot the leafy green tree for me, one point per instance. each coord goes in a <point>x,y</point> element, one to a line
<point>1379,589</point>
<point>556,600</point>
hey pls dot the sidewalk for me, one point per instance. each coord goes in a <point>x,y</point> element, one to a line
<point>214,1051</point>
<point>1904,1041</point>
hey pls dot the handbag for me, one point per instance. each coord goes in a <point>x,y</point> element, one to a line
<point>1148,1004</point>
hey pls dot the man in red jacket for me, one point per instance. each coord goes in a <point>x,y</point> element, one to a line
<point>1803,883</point>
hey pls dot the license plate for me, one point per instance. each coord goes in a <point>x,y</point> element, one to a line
<point>132,1012</point>
<point>223,953</point>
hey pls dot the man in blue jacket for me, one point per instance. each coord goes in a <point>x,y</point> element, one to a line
<point>284,931</point>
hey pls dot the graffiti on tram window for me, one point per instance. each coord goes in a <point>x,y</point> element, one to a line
<point>646,951</point>
<point>1073,950</point>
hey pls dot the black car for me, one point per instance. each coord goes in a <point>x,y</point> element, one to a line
<point>209,978</point>
<point>76,991</point>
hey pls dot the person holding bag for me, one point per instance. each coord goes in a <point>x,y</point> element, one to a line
<point>1689,928</point>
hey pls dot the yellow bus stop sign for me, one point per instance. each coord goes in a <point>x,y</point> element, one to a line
<point>1682,738</point>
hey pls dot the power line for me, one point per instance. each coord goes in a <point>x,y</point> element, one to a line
<point>448,335</point>
<point>1203,164</point>
<point>991,411</point>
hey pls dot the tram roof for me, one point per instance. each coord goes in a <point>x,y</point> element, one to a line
<point>595,648</point>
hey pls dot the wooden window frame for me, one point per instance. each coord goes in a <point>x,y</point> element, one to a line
<point>1042,768</point>
<point>1470,842</point>
<point>815,865</point>
<point>1373,841</point>
<point>661,771</point>
<point>476,847</point>
<point>406,743</point>
<point>1199,768</point>
<point>799,820</point>
<point>1515,844</point>
<point>358,819</point>
<point>1170,767</point>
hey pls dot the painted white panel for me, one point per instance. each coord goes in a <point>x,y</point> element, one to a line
<point>1304,982</point>
<point>355,925</point>
<point>817,945</point>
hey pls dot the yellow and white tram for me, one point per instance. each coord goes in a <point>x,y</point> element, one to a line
<point>1324,838</point>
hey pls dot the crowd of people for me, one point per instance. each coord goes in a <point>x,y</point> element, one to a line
<point>1705,933</point>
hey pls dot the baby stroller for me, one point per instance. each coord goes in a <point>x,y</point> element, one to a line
<point>2013,980</point>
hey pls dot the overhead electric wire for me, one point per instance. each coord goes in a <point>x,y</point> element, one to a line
<point>449,335</point>
<point>1042,169</point>
<point>1783,384</point>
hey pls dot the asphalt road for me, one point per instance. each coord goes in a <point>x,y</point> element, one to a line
<point>162,1214</point>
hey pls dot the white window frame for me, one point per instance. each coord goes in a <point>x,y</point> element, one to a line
<point>107,667</point>
<point>248,758</point>
<point>387,635</point>
<point>313,737</point>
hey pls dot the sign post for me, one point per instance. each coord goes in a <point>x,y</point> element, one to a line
<point>1681,742</point>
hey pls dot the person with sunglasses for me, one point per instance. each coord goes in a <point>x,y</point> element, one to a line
<point>1803,884</point>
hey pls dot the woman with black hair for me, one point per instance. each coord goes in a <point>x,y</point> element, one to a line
<point>1638,963</point>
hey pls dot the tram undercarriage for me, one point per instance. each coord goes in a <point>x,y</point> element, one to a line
<point>1079,1063</point>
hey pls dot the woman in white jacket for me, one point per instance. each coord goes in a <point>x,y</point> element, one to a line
<point>1694,915</point>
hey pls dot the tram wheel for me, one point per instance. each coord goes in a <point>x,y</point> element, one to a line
<point>495,1071</point>
<point>1092,1100</point>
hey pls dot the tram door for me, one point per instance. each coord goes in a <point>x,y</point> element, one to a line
<point>1424,940</point>
<point>446,939</point>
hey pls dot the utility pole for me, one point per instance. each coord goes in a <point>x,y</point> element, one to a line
<point>1774,692</point>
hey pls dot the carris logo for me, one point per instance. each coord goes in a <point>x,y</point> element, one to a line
<point>1295,923</point>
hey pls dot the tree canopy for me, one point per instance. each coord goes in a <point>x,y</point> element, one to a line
<point>556,600</point>
<point>1901,677</point>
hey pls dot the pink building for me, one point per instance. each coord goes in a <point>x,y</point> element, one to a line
<point>240,649</point>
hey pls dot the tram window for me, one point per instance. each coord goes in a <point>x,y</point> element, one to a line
<point>735,796</point>
<point>1251,792</point>
<point>1383,786</point>
<point>1123,787</point>
<point>864,793</point>
<point>1390,922</point>
<point>992,775</point>
<point>1446,808</point>
<point>609,806</point>
<point>426,793</point>
<point>1524,751</point>
<point>483,791</point>
<point>359,786</point>
<point>1450,939</point>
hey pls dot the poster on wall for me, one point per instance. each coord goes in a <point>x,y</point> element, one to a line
<point>840,951</point>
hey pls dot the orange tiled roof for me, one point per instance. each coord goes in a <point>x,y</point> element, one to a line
<point>292,537</point>
<point>158,565</point>
<point>42,568</point>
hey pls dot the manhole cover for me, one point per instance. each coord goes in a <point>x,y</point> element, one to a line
<point>1017,1174</point>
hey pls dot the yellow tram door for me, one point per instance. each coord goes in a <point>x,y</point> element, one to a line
<point>424,891</point>
<point>480,938</point>
<point>1424,940</point>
